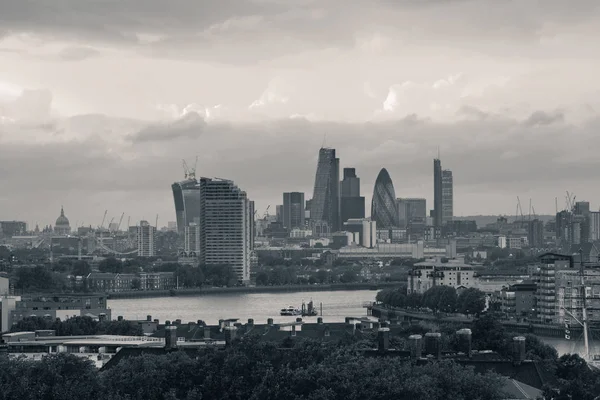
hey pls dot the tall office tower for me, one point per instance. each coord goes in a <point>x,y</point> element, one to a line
<point>279,213</point>
<point>535,233</point>
<point>187,202</point>
<point>191,244</point>
<point>146,239</point>
<point>325,204</point>
<point>352,204</point>
<point>226,226</point>
<point>437,193</point>
<point>383,206</point>
<point>412,214</point>
<point>447,196</point>
<point>293,210</point>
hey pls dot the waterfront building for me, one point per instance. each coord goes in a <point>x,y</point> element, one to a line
<point>352,204</point>
<point>186,195</point>
<point>383,206</point>
<point>434,272</point>
<point>293,210</point>
<point>447,196</point>
<point>62,226</point>
<point>146,239</point>
<point>518,299</point>
<point>227,226</point>
<point>324,206</point>
<point>437,194</point>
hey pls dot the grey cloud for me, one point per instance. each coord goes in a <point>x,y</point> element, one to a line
<point>544,118</point>
<point>77,53</point>
<point>190,126</point>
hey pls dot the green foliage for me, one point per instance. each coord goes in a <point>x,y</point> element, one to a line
<point>440,298</point>
<point>39,279</point>
<point>470,301</point>
<point>575,380</point>
<point>78,326</point>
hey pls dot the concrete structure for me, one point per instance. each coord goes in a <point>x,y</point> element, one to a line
<point>191,245</point>
<point>325,204</point>
<point>7,305</point>
<point>365,228</point>
<point>412,215</point>
<point>383,205</point>
<point>447,196</point>
<point>518,299</point>
<point>146,239</point>
<point>186,195</point>
<point>352,204</point>
<point>61,306</point>
<point>62,226</point>
<point>434,272</point>
<point>293,210</point>
<point>13,228</point>
<point>535,233</point>
<point>437,194</point>
<point>227,226</point>
<point>397,250</point>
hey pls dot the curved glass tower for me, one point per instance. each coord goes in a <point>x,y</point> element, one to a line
<point>383,205</point>
<point>186,195</point>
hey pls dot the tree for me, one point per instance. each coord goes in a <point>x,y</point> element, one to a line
<point>111,264</point>
<point>136,284</point>
<point>81,268</point>
<point>348,277</point>
<point>440,298</point>
<point>471,301</point>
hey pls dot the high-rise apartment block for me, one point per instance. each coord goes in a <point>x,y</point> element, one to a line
<point>325,204</point>
<point>447,196</point>
<point>146,239</point>
<point>352,204</point>
<point>226,226</point>
<point>293,210</point>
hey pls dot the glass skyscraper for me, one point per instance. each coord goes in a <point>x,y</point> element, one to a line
<point>437,193</point>
<point>187,203</point>
<point>325,204</point>
<point>383,206</point>
<point>447,196</point>
<point>293,210</point>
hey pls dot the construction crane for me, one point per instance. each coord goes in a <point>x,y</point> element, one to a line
<point>103,219</point>
<point>156,223</point>
<point>520,209</point>
<point>120,221</point>
<point>110,223</point>
<point>189,173</point>
<point>266,216</point>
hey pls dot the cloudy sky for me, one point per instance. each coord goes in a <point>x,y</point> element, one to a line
<point>100,100</point>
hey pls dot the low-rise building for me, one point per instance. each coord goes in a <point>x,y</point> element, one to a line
<point>434,272</point>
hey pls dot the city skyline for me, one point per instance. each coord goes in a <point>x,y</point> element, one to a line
<point>503,101</point>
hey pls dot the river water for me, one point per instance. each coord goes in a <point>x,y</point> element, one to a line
<point>260,306</point>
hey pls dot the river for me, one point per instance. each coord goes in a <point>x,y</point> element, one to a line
<point>260,306</point>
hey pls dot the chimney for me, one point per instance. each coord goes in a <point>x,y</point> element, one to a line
<point>298,319</point>
<point>177,322</point>
<point>230,334</point>
<point>464,341</point>
<point>383,339</point>
<point>270,321</point>
<point>250,322</point>
<point>433,345</point>
<point>170,337</point>
<point>416,345</point>
<point>120,318</point>
<point>149,318</point>
<point>320,320</point>
<point>206,332</point>
<point>167,322</point>
<point>157,321</point>
<point>518,349</point>
<point>200,323</point>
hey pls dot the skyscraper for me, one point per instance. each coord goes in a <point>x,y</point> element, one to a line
<point>146,238</point>
<point>293,210</point>
<point>412,214</point>
<point>437,193</point>
<point>226,226</point>
<point>352,204</point>
<point>383,206</point>
<point>447,196</point>
<point>325,207</point>
<point>187,203</point>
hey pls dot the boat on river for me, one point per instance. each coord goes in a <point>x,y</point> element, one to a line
<point>290,311</point>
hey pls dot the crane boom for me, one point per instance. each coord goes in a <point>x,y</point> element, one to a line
<point>120,221</point>
<point>103,218</point>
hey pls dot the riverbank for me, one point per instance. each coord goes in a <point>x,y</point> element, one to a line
<point>252,289</point>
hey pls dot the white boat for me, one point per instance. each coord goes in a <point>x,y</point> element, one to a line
<point>290,311</point>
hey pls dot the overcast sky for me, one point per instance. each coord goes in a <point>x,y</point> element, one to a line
<point>100,100</point>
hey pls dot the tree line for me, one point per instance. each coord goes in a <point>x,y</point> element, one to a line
<point>438,298</point>
<point>78,326</point>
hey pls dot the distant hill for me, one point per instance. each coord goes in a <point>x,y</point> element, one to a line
<point>483,220</point>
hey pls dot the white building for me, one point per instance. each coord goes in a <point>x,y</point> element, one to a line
<point>191,243</point>
<point>366,229</point>
<point>434,272</point>
<point>146,238</point>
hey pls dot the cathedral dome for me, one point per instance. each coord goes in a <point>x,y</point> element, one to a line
<point>62,225</point>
